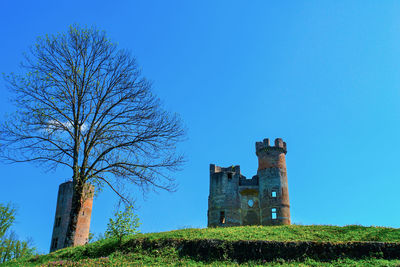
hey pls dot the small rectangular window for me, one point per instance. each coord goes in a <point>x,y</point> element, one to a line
<point>54,243</point>
<point>229,175</point>
<point>58,222</point>
<point>273,213</point>
<point>222,217</point>
<point>273,194</point>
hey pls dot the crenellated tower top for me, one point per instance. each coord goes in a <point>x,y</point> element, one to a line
<point>265,145</point>
<point>271,156</point>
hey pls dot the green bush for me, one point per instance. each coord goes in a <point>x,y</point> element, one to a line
<point>124,223</point>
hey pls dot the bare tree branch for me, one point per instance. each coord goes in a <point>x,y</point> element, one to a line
<point>82,103</point>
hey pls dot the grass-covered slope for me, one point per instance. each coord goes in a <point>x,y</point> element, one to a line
<point>216,246</point>
<point>318,233</point>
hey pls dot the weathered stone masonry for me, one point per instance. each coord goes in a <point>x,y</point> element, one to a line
<point>63,210</point>
<point>262,200</point>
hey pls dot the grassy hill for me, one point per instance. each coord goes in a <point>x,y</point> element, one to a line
<point>314,245</point>
<point>318,233</point>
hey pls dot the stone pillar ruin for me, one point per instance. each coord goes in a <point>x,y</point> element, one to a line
<point>61,220</point>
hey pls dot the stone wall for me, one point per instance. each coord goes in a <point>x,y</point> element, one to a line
<point>61,220</point>
<point>262,200</point>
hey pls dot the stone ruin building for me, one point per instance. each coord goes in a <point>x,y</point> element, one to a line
<point>61,220</point>
<point>262,200</point>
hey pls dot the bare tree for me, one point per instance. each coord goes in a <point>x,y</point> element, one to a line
<point>83,103</point>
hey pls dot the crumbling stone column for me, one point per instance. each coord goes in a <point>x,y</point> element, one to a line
<point>61,220</point>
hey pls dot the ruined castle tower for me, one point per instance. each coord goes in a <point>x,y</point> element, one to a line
<point>224,206</point>
<point>262,200</point>
<point>273,187</point>
<point>64,203</point>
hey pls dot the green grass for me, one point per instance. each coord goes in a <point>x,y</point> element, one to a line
<point>318,233</point>
<point>108,252</point>
<point>171,258</point>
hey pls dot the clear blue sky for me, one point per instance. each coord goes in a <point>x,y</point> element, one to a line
<point>323,75</point>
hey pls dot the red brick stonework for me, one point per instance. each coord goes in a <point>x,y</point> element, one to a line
<point>262,200</point>
<point>64,202</point>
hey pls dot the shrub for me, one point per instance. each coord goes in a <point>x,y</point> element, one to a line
<point>124,223</point>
